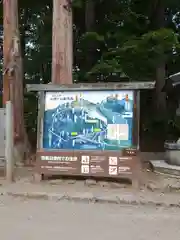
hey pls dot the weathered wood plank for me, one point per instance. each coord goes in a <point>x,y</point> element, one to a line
<point>91,86</point>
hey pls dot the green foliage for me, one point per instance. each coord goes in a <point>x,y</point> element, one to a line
<point>138,56</point>
<point>77,3</point>
<point>122,39</point>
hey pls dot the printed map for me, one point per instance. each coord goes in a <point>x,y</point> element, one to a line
<point>88,120</point>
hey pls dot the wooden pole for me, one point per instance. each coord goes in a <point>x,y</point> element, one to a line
<point>62,54</point>
<point>9,142</point>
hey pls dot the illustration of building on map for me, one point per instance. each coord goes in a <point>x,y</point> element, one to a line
<point>88,120</point>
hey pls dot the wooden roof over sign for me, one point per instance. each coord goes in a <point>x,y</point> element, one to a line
<point>91,86</point>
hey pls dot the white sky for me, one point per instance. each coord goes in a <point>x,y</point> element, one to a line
<point>92,96</point>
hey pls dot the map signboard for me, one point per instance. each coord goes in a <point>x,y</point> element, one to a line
<point>89,130</point>
<point>88,120</point>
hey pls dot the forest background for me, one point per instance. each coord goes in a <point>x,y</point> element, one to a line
<point>117,40</point>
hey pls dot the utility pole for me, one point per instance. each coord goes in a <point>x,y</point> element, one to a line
<point>13,72</point>
<point>9,143</point>
<point>62,52</point>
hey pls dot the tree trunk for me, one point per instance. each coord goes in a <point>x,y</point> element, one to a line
<point>13,75</point>
<point>160,100</point>
<point>62,54</point>
<point>160,96</point>
<point>7,32</point>
<point>90,27</point>
<point>23,23</point>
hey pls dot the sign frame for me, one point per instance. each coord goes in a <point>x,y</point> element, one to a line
<point>65,162</point>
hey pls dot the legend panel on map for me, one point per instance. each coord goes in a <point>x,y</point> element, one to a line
<point>118,131</point>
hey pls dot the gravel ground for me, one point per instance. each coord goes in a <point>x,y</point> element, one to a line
<point>38,219</point>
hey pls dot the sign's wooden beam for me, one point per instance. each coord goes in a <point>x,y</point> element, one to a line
<point>91,86</point>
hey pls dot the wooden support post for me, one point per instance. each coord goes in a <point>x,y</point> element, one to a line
<point>9,142</point>
<point>62,55</point>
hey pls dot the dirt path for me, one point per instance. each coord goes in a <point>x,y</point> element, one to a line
<point>39,219</point>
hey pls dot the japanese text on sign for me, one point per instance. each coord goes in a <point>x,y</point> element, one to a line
<point>59,158</point>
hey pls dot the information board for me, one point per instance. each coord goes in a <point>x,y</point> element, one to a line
<point>88,120</point>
